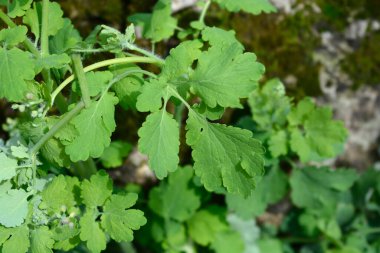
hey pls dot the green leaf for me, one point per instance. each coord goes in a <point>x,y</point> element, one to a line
<point>152,94</point>
<point>329,184</point>
<point>17,8</point>
<point>204,226</point>
<point>210,113</point>
<point>314,134</point>
<point>114,155</point>
<point>41,240</point>
<point>159,25</point>
<point>175,199</point>
<point>345,249</point>
<point>55,61</point>
<point>97,190</point>
<point>227,242</point>
<point>224,156</point>
<point>175,235</point>
<point>269,190</point>
<point>66,236</point>
<point>16,204</point>
<point>95,125</point>
<point>127,89</point>
<point>159,139</point>
<point>8,167</point>
<point>58,195</point>
<point>270,245</point>
<point>217,37</point>
<point>270,106</point>
<point>53,150</point>
<point>278,143</point>
<point>20,152</point>
<point>91,233</point>
<point>33,18</point>
<point>118,220</point>
<point>14,239</point>
<point>13,75</point>
<point>224,75</point>
<point>248,230</point>
<point>96,81</point>
<point>180,59</point>
<point>330,228</point>
<point>65,39</point>
<point>13,36</point>
<point>251,6</point>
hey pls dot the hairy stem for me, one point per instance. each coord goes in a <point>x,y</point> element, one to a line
<point>79,73</point>
<point>145,52</point>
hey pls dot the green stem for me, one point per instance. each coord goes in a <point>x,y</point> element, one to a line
<point>177,95</point>
<point>136,59</point>
<point>78,70</point>
<point>145,52</point>
<point>27,43</point>
<point>6,19</point>
<point>58,126</point>
<point>204,11</point>
<point>44,29</point>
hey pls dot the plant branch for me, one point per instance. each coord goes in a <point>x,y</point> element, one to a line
<point>79,73</point>
<point>61,123</point>
<point>136,59</point>
<point>204,11</point>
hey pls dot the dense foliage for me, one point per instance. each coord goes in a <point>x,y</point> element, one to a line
<point>56,194</point>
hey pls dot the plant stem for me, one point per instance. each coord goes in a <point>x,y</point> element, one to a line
<point>136,59</point>
<point>204,11</point>
<point>44,29</point>
<point>61,123</point>
<point>79,73</point>
<point>145,52</point>
<point>6,19</point>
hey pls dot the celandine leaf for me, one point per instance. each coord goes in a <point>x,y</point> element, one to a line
<point>41,240</point>
<point>33,18</point>
<point>159,25</point>
<point>176,199</point>
<point>15,202</point>
<point>95,125</point>
<point>251,6</point>
<point>118,220</point>
<point>224,74</point>
<point>96,190</point>
<point>91,233</point>
<point>224,156</point>
<point>159,139</point>
<point>17,68</point>
<point>14,239</point>
<point>8,167</point>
